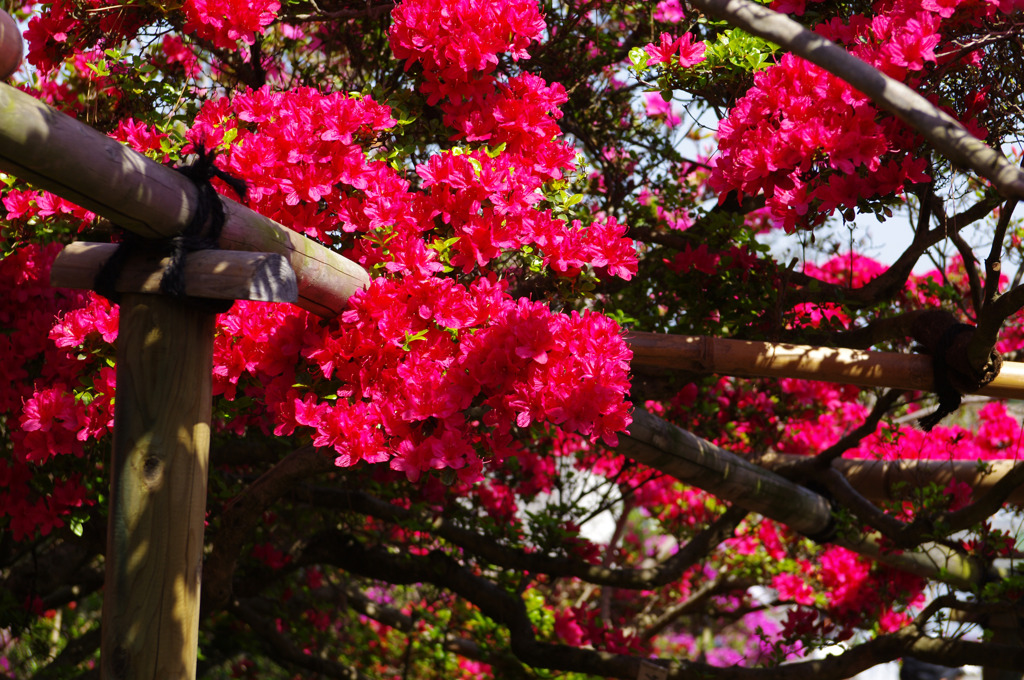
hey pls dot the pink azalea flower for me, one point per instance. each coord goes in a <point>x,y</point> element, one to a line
<point>686,52</point>
<point>657,107</point>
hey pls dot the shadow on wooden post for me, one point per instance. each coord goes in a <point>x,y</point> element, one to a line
<point>158,489</point>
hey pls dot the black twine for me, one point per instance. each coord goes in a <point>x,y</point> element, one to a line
<point>201,233</point>
<point>949,395</point>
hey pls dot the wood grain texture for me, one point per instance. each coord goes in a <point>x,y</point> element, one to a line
<point>216,274</point>
<point>158,490</point>
<point>66,157</point>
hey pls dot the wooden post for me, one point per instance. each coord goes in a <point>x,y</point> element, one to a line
<point>150,626</point>
<point>150,618</point>
<point>158,489</point>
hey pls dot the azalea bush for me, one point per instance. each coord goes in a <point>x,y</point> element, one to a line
<point>525,184</point>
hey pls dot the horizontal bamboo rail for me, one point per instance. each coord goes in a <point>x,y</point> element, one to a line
<point>695,461</point>
<point>877,480</point>
<point>70,159</point>
<point>702,354</point>
<point>214,274</point>
<point>659,444</point>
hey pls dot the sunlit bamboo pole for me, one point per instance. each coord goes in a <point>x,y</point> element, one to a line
<point>880,480</point>
<point>57,153</point>
<point>211,274</point>
<point>703,354</point>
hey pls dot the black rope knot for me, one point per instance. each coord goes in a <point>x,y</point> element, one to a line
<point>201,233</point>
<point>946,341</point>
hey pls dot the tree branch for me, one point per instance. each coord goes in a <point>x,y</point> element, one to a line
<point>971,267</point>
<point>692,604</point>
<point>993,266</point>
<point>893,279</point>
<point>369,12</point>
<point>990,322</point>
<point>287,653</point>
<point>77,650</point>
<point>344,551</point>
<point>863,509</point>
<point>485,547</point>
<point>986,506</point>
<point>887,329</point>
<point>241,515</point>
<point>868,427</point>
<point>51,569</point>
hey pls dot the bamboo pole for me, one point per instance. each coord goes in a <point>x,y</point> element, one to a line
<point>692,460</point>
<point>663,446</point>
<point>10,46</point>
<point>68,158</point>
<point>150,624</point>
<point>702,354</point>
<point>215,274</point>
<point>876,480</point>
<point>932,561</point>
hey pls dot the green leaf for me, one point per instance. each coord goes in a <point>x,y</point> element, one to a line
<point>413,337</point>
<point>638,57</point>
<point>100,69</point>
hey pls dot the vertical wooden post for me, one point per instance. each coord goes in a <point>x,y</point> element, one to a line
<point>158,489</point>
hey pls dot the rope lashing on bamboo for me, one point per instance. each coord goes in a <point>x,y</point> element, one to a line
<point>201,233</point>
<point>945,340</point>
